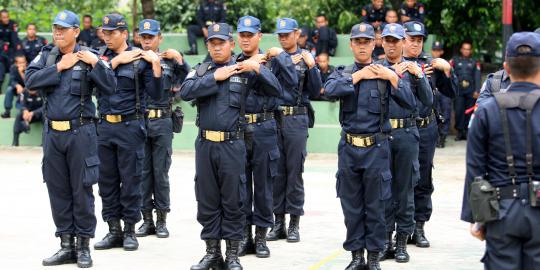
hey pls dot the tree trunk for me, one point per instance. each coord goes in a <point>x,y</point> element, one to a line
<point>148,9</point>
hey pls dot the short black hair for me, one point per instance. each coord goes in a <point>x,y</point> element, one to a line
<point>391,10</point>
<point>30,24</point>
<point>20,54</point>
<point>136,30</point>
<point>466,42</point>
<point>4,11</point>
<point>522,67</point>
<point>87,16</point>
<point>322,15</point>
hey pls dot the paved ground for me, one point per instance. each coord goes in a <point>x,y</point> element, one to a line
<point>26,227</point>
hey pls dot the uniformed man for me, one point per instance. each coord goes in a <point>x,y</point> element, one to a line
<point>31,44</point>
<point>405,142</point>
<point>209,12</point>
<point>31,112</point>
<point>136,38</point>
<point>122,132</point>
<point>16,85</point>
<point>293,132</point>
<point>503,163</point>
<point>494,83</point>
<point>66,75</point>
<point>442,82</point>
<point>412,10</point>
<point>374,13</point>
<point>220,88</point>
<point>158,146</point>
<point>444,103</point>
<point>260,137</point>
<point>364,177</point>
<point>98,42</point>
<point>88,34</point>
<point>304,41</point>
<point>9,42</point>
<point>468,73</point>
<point>327,41</point>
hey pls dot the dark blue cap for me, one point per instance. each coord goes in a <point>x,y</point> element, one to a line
<point>67,18</point>
<point>415,29</point>
<point>114,21</point>
<point>437,45</point>
<point>529,39</point>
<point>393,30</point>
<point>286,25</point>
<point>249,24</point>
<point>220,31</point>
<point>304,31</point>
<point>362,30</point>
<point>149,27</point>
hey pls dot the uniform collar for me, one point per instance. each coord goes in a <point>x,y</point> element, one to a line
<point>523,87</point>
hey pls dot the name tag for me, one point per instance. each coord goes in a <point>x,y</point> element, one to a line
<point>236,79</point>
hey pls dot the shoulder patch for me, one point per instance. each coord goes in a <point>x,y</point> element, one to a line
<point>37,58</point>
<point>191,74</point>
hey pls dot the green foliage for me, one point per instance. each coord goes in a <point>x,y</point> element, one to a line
<point>175,15</point>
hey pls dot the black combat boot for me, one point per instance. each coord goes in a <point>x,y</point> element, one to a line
<point>66,254</point>
<point>401,248</point>
<point>113,239</point>
<point>246,245</point>
<point>130,242</point>
<point>278,230</point>
<point>441,142</point>
<point>15,139</point>
<point>161,224</point>
<point>293,235</point>
<point>388,251</point>
<point>192,50</point>
<point>358,262</point>
<point>6,114</point>
<point>418,238</point>
<point>373,261</point>
<point>213,260</point>
<point>147,228</point>
<point>261,249</point>
<point>232,262</point>
<point>83,252</point>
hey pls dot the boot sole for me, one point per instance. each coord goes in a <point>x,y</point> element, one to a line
<point>293,240</point>
<point>421,246</point>
<point>276,239</point>
<point>402,261</point>
<point>59,263</point>
<point>162,236</point>
<point>84,265</point>
<point>262,256</point>
<point>106,248</point>
<point>130,249</point>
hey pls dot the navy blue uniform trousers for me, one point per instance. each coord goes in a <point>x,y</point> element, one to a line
<point>261,168</point>
<point>445,108</point>
<point>70,168</point>
<point>155,188</point>
<point>220,188</point>
<point>363,184</point>
<point>289,184</point>
<point>424,188</point>
<point>404,164</point>
<point>121,152</point>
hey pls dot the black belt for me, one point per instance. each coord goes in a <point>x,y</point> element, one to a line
<point>158,113</point>
<point>402,122</point>
<point>508,192</point>
<point>220,136</point>
<point>424,122</point>
<point>292,110</point>
<point>117,118</point>
<point>259,117</point>
<point>68,125</point>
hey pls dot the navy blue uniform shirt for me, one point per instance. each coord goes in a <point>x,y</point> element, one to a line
<point>468,73</point>
<point>312,84</point>
<point>210,13</point>
<point>31,48</point>
<point>173,75</point>
<point>486,154</point>
<point>63,89</point>
<point>219,101</point>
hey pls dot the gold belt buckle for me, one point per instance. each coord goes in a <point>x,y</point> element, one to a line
<point>214,136</point>
<point>287,110</point>
<point>394,123</point>
<point>61,125</point>
<point>154,113</point>
<point>251,118</point>
<point>465,83</point>
<point>361,142</point>
<point>113,118</point>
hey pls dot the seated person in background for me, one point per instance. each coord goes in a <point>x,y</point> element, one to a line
<point>98,42</point>
<point>304,42</point>
<point>374,13</point>
<point>31,44</point>
<point>323,63</point>
<point>327,38</point>
<point>88,33</point>
<point>32,111</point>
<point>411,10</point>
<point>378,52</point>
<point>16,84</point>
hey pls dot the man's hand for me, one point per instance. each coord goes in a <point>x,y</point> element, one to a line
<point>308,58</point>
<point>385,74</point>
<point>19,89</point>
<point>400,68</point>
<point>443,65</point>
<point>249,65</point>
<point>478,231</point>
<point>150,56</point>
<point>476,95</point>
<point>223,73</point>
<point>259,58</point>
<point>205,32</point>
<point>88,57</point>
<point>67,62</point>
<point>27,115</point>
<point>273,52</point>
<point>414,69</point>
<point>428,71</point>
<point>364,74</point>
<point>126,57</point>
<point>296,58</point>
<point>173,54</point>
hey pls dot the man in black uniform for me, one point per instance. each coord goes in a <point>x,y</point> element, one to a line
<point>31,44</point>
<point>209,12</point>
<point>66,75</point>
<point>412,10</point>
<point>16,84</point>
<point>122,132</point>
<point>9,43</point>
<point>327,41</point>
<point>468,73</point>
<point>158,146</point>
<point>31,111</point>
<point>220,88</point>
<point>374,13</point>
<point>503,168</point>
<point>98,42</point>
<point>88,34</point>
